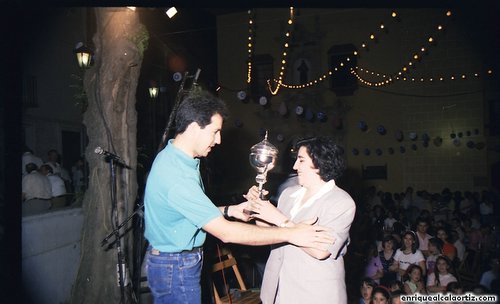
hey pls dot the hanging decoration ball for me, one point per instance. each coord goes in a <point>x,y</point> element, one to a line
<point>280,137</point>
<point>367,151</point>
<point>378,151</point>
<point>476,131</point>
<point>460,134</point>
<point>177,76</point>
<point>414,147</point>
<point>413,135</point>
<point>355,151</point>
<point>362,125</point>
<point>241,95</point>
<point>480,145</point>
<point>438,141</point>
<point>381,130</point>
<point>456,142</point>
<point>309,115</point>
<point>263,100</point>
<point>321,116</point>
<point>470,144</point>
<point>283,110</point>
<point>453,135</point>
<point>299,110</point>
<point>425,137</point>
<point>238,123</point>
<point>468,133</point>
<point>402,149</point>
<point>399,135</point>
<point>390,150</point>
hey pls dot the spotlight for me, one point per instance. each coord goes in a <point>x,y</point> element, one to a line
<point>171,11</point>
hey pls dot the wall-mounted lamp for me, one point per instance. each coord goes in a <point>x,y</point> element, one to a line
<point>153,89</point>
<point>83,55</point>
<point>171,11</point>
<point>153,92</point>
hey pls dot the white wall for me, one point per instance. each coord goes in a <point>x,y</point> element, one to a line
<point>50,255</point>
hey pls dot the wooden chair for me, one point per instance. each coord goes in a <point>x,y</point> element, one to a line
<point>226,261</point>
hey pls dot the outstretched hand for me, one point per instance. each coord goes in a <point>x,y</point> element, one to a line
<point>266,211</point>
<point>239,212</point>
<point>253,193</point>
<point>306,234</point>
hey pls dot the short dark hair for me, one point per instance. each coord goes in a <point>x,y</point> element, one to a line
<point>438,243</point>
<point>383,290</point>
<point>326,156</point>
<point>199,107</point>
<point>31,167</point>
<point>368,281</point>
<point>48,168</point>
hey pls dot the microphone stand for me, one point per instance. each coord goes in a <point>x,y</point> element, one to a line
<point>113,161</point>
<point>121,260</point>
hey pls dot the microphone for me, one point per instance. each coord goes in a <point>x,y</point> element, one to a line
<point>116,158</point>
<point>101,151</point>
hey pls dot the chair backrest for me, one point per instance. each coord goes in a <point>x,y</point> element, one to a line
<point>226,261</point>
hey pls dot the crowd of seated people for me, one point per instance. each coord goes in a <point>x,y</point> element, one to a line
<point>47,186</point>
<point>427,243</point>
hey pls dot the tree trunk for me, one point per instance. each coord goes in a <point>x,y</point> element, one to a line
<point>111,122</point>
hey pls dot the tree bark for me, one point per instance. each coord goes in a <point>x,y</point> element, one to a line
<point>111,122</point>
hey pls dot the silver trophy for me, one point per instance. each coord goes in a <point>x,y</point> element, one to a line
<point>263,158</point>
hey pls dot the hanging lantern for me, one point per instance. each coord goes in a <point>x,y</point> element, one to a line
<point>83,55</point>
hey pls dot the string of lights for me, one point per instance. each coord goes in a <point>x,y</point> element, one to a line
<point>250,46</point>
<point>284,55</point>
<point>389,78</point>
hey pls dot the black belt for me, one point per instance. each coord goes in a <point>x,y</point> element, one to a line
<point>194,250</point>
<point>38,198</point>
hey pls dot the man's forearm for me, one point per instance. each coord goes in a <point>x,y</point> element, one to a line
<point>246,234</point>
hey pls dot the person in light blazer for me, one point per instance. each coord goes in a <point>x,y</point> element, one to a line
<point>299,274</point>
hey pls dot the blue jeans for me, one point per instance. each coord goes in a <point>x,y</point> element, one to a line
<point>174,278</point>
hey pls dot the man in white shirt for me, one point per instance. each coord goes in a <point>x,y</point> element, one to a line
<point>57,185</point>
<point>29,157</point>
<point>423,236</point>
<point>36,191</point>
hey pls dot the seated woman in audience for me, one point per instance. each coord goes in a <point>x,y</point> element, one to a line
<point>374,268</point>
<point>380,295</point>
<point>439,279</point>
<point>449,249</point>
<point>386,257</point>
<point>414,282</point>
<point>435,250</point>
<point>408,255</point>
<point>366,290</point>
